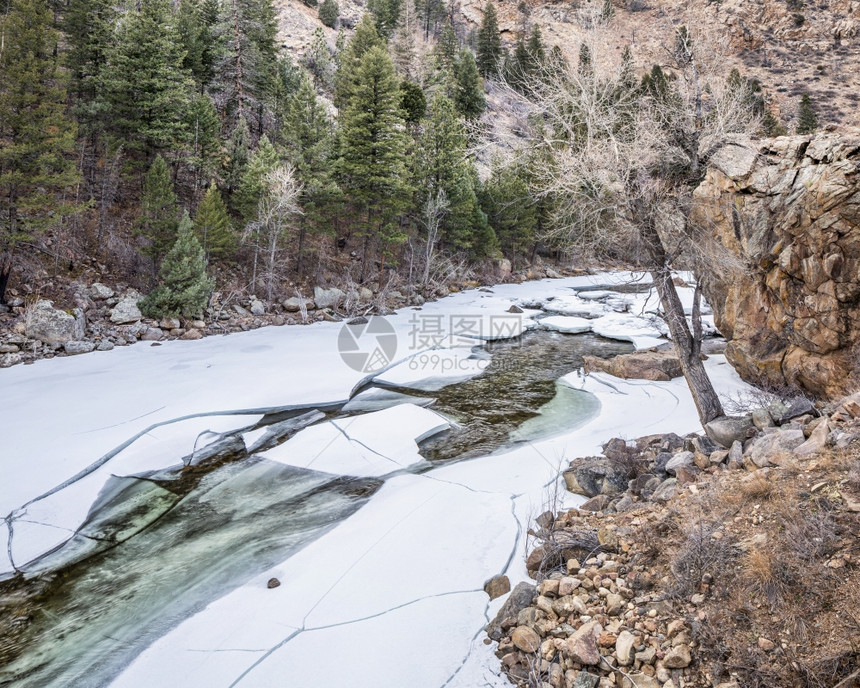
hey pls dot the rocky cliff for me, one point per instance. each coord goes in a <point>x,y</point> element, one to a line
<point>788,211</point>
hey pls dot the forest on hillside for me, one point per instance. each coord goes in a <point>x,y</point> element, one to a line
<point>176,146</point>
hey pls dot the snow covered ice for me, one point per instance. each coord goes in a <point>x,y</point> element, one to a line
<point>393,590</point>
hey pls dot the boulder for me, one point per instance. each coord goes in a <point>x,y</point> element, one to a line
<point>497,586</point>
<point>100,291</point>
<point>152,334</point>
<point>257,307</point>
<point>328,298</point>
<point>768,449</point>
<point>816,441</point>
<point>582,645</point>
<point>75,347</point>
<point>520,598</point>
<point>126,309</point>
<point>728,429</point>
<point>683,458</point>
<point>191,334</point>
<point>525,639</point>
<point>48,324</point>
<point>294,304</point>
<point>642,365</point>
<point>595,475</point>
<point>667,490</point>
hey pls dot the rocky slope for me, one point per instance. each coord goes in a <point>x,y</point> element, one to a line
<point>693,565</point>
<point>788,211</point>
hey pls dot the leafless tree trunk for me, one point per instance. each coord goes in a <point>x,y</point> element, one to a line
<point>435,210</point>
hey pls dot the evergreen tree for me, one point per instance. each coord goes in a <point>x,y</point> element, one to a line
<point>144,82</point>
<point>184,287</point>
<point>430,13</point>
<point>536,51</point>
<point>329,12</point>
<point>443,165</point>
<point>412,101</point>
<point>195,24</point>
<point>508,203</point>
<point>89,26</point>
<point>158,211</point>
<point>807,120</point>
<point>448,48</point>
<point>585,67</point>
<point>204,132</point>
<point>238,152</point>
<point>489,43</point>
<point>607,11</point>
<point>469,93</point>
<point>212,225</point>
<point>247,70</point>
<point>318,60</point>
<point>364,38</point>
<point>36,138</point>
<point>372,150</point>
<point>263,161</point>
<point>310,148</point>
<point>386,14</point>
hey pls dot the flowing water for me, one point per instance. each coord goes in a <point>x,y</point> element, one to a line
<point>200,532</point>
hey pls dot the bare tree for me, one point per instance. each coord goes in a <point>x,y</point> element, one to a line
<point>435,209</point>
<point>277,208</point>
<point>625,159</point>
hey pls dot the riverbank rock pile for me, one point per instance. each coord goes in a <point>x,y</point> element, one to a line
<point>688,567</point>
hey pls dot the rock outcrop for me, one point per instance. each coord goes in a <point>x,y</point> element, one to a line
<point>788,211</point>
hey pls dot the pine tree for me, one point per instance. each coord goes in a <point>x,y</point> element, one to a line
<point>212,225</point>
<point>489,43</point>
<point>386,14</point>
<point>158,211</point>
<point>430,13</point>
<point>364,38</point>
<point>329,12</point>
<point>536,51</point>
<point>318,60</point>
<point>263,161</point>
<point>36,138</point>
<point>145,84</point>
<point>508,203</point>
<point>309,142</point>
<point>412,101</point>
<point>89,26</point>
<point>448,48</point>
<point>443,165</point>
<point>204,133</point>
<point>195,24</point>
<point>184,287</point>
<point>469,93</point>
<point>247,70</point>
<point>238,152</point>
<point>807,120</point>
<point>372,144</point>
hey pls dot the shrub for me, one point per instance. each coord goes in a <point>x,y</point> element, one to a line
<point>329,12</point>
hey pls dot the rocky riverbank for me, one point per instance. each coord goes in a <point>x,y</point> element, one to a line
<point>696,564</point>
<point>98,317</point>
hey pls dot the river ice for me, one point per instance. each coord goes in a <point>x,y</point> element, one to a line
<point>391,596</point>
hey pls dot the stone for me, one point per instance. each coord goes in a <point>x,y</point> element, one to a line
<point>550,586</point>
<point>614,604</point>
<point>497,586</point>
<point>642,680</point>
<point>642,365</point>
<point>50,325</point>
<point>520,598</point>
<point>240,311</point>
<point>8,360</point>
<point>82,347</point>
<point>569,604</point>
<point>582,646</point>
<point>273,583</point>
<point>625,648</point>
<point>126,309</point>
<point>152,334</point>
<point>328,298</point>
<point>646,656</point>
<point>191,334</point>
<point>765,644</point>
<point>257,307</point>
<point>677,658</point>
<point>816,441</point>
<point>795,409</point>
<point>736,456</point>
<point>169,324</point>
<point>761,418</point>
<point>726,430</point>
<point>9,349</point>
<point>597,503</point>
<point>767,449</point>
<point>100,291</point>
<point>294,304</point>
<point>365,295</point>
<point>567,584</point>
<point>595,475</point>
<point>583,679</point>
<point>667,490</point>
<point>683,458</point>
<point>525,639</point>
<point>105,345</point>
